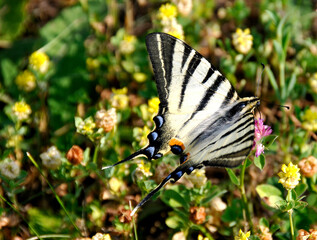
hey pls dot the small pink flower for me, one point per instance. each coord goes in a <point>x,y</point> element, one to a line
<point>259,149</point>
<point>260,131</point>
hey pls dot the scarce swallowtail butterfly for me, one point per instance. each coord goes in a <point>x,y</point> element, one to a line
<point>201,118</point>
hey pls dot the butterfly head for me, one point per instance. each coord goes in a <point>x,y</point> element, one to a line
<point>249,103</point>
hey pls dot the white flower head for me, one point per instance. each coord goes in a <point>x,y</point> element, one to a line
<point>9,169</point>
<point>51,158</point>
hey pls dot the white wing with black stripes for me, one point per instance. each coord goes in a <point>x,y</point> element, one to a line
<point>201,117</point>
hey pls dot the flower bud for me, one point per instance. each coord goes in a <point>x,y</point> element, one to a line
<point>308,166</point>
<point>106,119</point>
<point>75,155</point>
<point>197,214</point>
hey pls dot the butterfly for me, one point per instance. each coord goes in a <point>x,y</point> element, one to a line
<point>201,118</point>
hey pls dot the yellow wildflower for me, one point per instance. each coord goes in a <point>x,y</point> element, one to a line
<point>120,91</point>
<point>313,82</point>
<point>119,99</point>
<point>289,176</point>
<point>242,235</point>
<point>39,61</point>
<point>101,236</point>
<point>26,80</point>
<point>127,45</point>
<point>139,77</point>
<point>198,178</point>
<point>14,141</point>
<point>201,237</point>
<point>140,134</point>
<point>154,105</point>
<point>177,34</point>
<point>143,170</point>
<point>86,126</point>
<point>167,14</point>
<point>167,11</point>
<point>21,110</point>
<point>92,64</point>
<point>115,184</point>
<point>242,40</point>
<point>310,119</point>
<point>173,28</point>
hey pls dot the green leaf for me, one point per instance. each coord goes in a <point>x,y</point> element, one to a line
<point>274,228</point>
<point>234,179</point>
<point>12,17</point>
<point>216,192</point>
<point>174,199</point>
<point>300,189</point>
<point>174,222</point>
<point>272,80</point>
<point>9,71</point>
<point>248,164</point>
<point>300,204</point>
<point>264,222</point>
<point>282,205</point>
<point>268,140</point>
<point>266,190</point>
<point>279,31</point>
<point>271,195</point>
<point>279,50</point>
<point>233,212</point>
<point>78,121</point>
<point>259,161</point>
<point>291,83</point>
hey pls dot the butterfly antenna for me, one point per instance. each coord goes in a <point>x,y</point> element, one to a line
<point>279,105</point>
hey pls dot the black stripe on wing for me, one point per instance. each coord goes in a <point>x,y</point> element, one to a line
<point>229,160</point>
<point>248,137</point>
<point>222,119</point>
<point>161,50</point>
<point>208,75</point>
<point>247,123</point>
<point>192,66</point>
<point>229,96</point>
<point>208,95</point>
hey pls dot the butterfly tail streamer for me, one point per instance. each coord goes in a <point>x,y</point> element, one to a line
<point>172,177</point>
<point>131,157</point>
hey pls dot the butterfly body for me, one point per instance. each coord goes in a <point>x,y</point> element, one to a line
<point>201,118</point>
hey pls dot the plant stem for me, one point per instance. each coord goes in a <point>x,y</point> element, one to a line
<point>96,153</point>
<point>247,214</point>
<point>134,225</point>
<point>290,212</point>
<point>53,190</point>
<point>291,223</point>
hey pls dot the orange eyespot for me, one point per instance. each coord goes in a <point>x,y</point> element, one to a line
<point>177,142</point>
